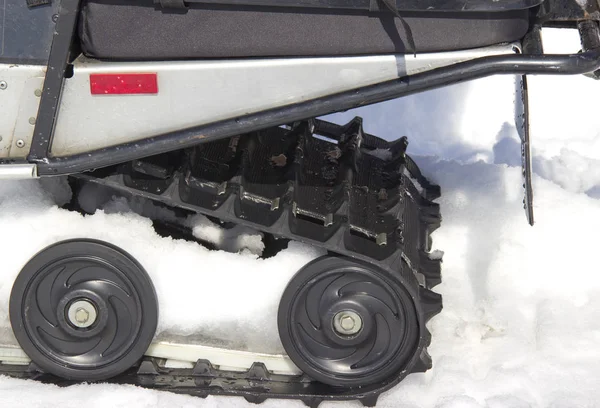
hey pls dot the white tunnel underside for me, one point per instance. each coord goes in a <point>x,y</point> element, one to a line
<point>192,93</point>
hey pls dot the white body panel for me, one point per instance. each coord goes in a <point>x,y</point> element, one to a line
<point>18,104</point>
<point>191,93</point>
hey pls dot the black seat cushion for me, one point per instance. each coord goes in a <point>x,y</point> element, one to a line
<point>137,30</point>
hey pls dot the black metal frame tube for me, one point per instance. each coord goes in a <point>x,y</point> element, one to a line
<point>403,5</point>
<point>461,72</point>
<point>55,77</point>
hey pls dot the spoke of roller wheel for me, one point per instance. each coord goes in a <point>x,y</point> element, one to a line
<point>372,347</point>
<point>303,321</point>
<point>376,306</point>
<point>331,294</point>
<point>38,322</point>
<point>313,300</point>
<point>322,350</point>
<point>106,290</point>
<point>380,346</point>
<point>372,290</point>
<point>97,272</point>
<point>108,335</point>
<point>43,296</point>
<point>124,326</point>
<point>63,344</point>
<point>59,285</point>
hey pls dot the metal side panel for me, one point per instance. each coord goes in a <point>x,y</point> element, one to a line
<point>192,93</point>
<point>20,90</point>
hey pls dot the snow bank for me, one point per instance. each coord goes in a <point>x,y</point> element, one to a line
<point>519,326</point>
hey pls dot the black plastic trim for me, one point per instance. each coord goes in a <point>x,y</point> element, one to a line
<point>461,72</point>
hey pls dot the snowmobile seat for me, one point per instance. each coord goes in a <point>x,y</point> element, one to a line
<point>143,30</point>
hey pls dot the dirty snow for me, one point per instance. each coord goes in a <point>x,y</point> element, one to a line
<point>520,323</point>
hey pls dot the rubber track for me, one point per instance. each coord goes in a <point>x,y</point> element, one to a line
<point>355,195</point>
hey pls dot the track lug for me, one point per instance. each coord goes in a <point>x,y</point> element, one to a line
<point>431,303</point>
<point>203,368</point>
<point>430,214</point>
<point>312,402</point>
<point>148,367</point>
<point>426,338</point>
<point>369,401</point>
<point>34,368</point>
<point>431,269</point>
<point>202,394</point>
<point>433,192</point>
<point>255,399</point>
<point>305,379</point>
<point>398,147</point>
<point>424,363</point>
<point>259,372</point>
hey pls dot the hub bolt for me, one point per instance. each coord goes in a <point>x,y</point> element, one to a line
<point>347,323</point>
<point>82,313</point>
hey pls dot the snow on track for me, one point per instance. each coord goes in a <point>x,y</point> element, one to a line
<point>520,325</point>
<point>199,291</point>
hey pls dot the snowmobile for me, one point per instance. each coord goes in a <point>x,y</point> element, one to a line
<point>213,107</point>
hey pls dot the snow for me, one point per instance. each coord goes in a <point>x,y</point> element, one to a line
<point>241,297</point>
<point>520,323</point>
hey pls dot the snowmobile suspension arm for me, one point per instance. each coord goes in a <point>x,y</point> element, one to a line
<point>461,72</point>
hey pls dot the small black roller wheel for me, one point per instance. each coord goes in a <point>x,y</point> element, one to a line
<point>83,310</point>
<point>346,323</point>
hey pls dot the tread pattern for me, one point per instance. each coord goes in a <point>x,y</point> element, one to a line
<point>328,185</point>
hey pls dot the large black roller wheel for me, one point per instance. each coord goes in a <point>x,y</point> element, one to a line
<point>347,323</point>
<point>83,310</point>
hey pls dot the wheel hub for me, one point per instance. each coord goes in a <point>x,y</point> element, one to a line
<point>347,323</point>
<point>82,313</point>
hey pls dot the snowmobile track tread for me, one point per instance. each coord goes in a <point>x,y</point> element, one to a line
<point>354,195</point>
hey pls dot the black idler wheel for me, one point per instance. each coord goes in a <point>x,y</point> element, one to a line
<point>83,310</point>
<point>347,323</point>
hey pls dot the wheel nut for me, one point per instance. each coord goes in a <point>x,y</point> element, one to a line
<point>347,323</point>
<point>81,315</point>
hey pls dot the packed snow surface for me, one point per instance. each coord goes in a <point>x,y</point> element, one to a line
<point>520,326</point>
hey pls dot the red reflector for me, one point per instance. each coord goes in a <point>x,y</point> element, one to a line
<point>123,84</point>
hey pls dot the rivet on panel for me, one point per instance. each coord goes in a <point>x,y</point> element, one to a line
<point>3,85</point>
<point>20,143</point>
<point>32,120</point>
